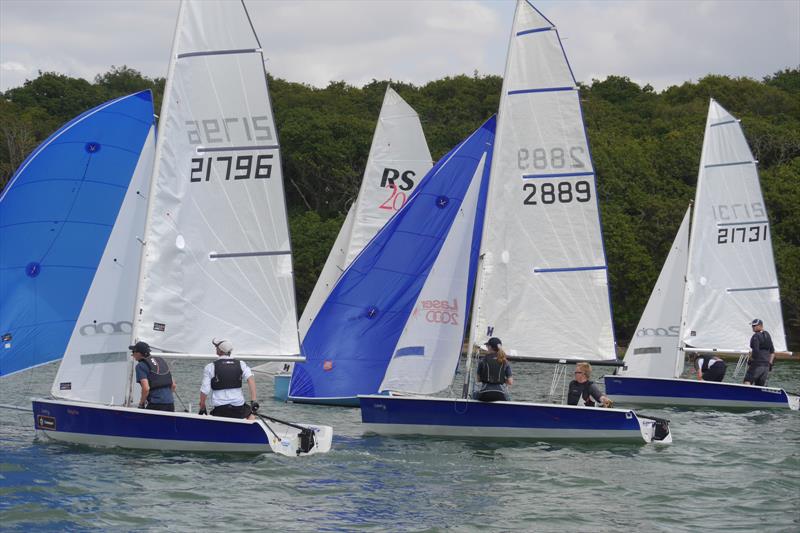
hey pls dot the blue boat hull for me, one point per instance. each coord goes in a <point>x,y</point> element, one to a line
<point>398,415</point>
<point>694,393</point>
<point>97,425</point>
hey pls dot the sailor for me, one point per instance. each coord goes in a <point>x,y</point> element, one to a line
<point>222,385</point>
<point>494,374</point>
<point>153,374</point>
<point>583,388</point>
<point>762,355</point>
<point>710,368</point>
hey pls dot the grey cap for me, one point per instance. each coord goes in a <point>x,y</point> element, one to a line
<point>756,322</point>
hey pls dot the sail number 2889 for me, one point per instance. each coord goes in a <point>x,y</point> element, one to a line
<point>562,192</point>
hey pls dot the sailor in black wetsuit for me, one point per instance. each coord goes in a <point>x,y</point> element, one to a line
<point>153,374</point>
<point>582,388</point>
<point>762,355</point>
<point>710,368</point>
<point>494,374</point>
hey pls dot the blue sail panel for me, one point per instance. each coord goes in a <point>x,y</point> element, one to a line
<point>56,215</point>
<point>350,343</point>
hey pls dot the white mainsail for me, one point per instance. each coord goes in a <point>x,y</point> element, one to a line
<point>425,359</point>
<point>731,277</point>
<point>654,350</point>
<point>96,362</point>
<point>398,159</point>
<point>217,256</point>
<point>544,284</point>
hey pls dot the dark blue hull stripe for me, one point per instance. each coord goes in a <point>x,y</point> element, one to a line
<point>621,386</point>
<point>569,175</point>
<point>571,269</point>
<point>545,90</point>
<point>466,413</point>
<point>142,424</point>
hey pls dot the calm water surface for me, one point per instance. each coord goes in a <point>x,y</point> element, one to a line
<point>725,471</point>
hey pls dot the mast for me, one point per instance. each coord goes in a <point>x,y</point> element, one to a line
<point>165,106</point>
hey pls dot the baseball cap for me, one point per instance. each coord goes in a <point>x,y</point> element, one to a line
<point>222,345</point>
<point>141,347</point>
<point>756,322</point>
<point>494,342</point>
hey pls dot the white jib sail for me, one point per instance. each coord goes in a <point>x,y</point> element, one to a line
<point>398,159</point>
<point>544,276</point>
<point>731,277</point>
<point>217,256</point>
<point>96,362</point>
<point>427,352</point>
<point>654,350</point>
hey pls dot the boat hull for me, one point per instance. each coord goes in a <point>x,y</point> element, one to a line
<point>124,427</point>
<point>447,417</point>
<point>695,393</point>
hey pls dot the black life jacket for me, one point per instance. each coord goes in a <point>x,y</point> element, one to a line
<point>765,348</point>
<point>227,374</point>
<point>492,371</point>
<point>706,364</point>
<point>578,390</point>
<point>158,374</point>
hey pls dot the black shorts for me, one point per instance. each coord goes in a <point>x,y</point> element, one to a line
<point>232,411</point>
<point>716,372</point>
<point>161,406</point>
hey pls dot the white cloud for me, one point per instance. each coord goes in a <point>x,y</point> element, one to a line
<point>657,42</point>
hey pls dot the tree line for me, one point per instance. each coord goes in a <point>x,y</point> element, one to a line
<point>645,146</point>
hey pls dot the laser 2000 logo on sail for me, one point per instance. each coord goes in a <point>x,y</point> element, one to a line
<point>243,134</point>
<point>439,311</point>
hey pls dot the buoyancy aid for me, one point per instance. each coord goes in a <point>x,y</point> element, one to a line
<point>493,371</point>
<point>158,374</point>
<point>227,374</point>
<point>578,390</point>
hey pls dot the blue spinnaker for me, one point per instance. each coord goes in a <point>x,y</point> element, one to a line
<point>350,343</point>
<point>56,215</point>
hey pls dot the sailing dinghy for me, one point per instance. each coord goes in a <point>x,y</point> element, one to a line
<point>398,159</point>
<point>214,258</point>
<point>716,278</point>
<point>541,279</point>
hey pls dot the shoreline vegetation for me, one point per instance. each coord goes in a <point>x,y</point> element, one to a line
<point>645,147</point>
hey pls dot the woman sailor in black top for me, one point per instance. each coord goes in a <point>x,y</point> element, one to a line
<point>494,374</point>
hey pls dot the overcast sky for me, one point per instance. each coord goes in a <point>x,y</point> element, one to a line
<point>658,42</point>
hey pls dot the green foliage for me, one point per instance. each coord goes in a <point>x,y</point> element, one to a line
<point>645,145</point>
